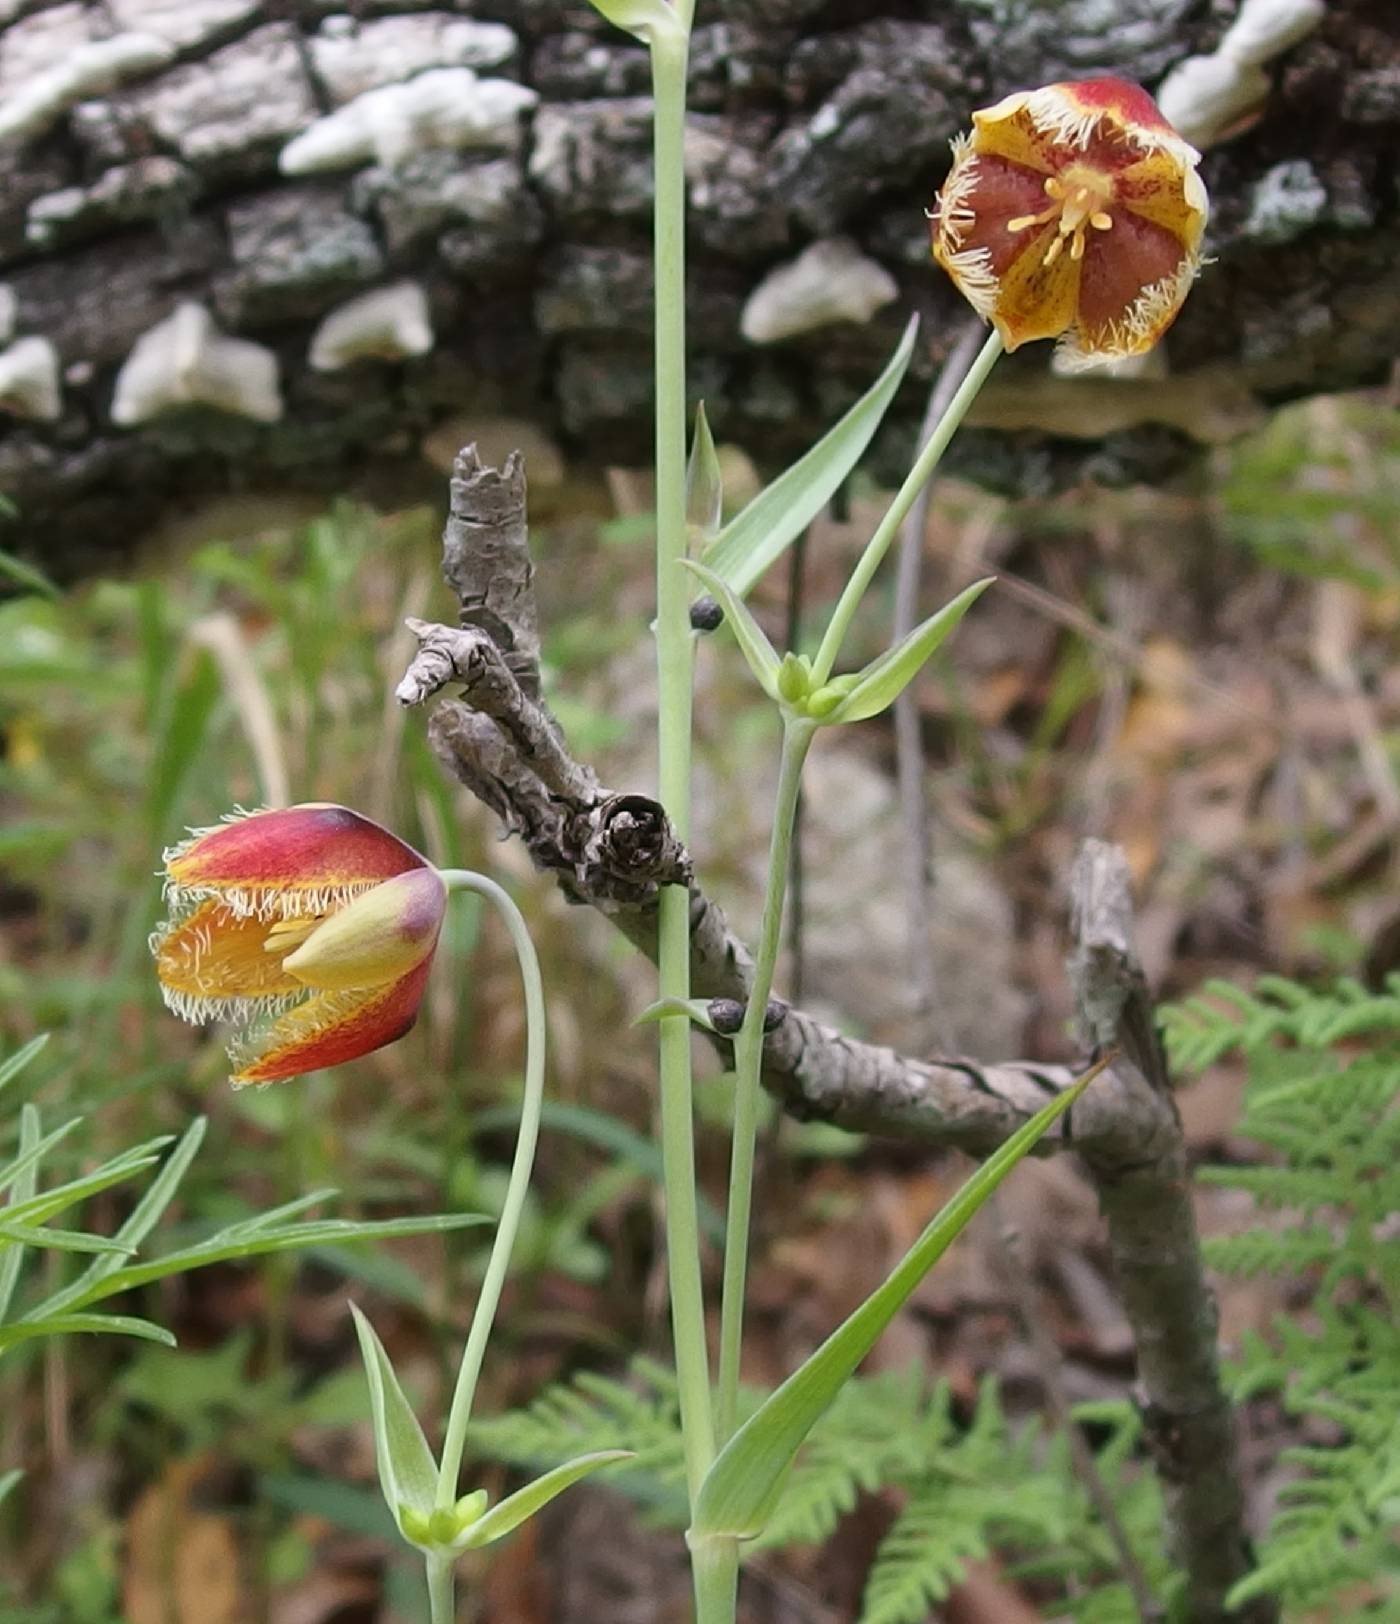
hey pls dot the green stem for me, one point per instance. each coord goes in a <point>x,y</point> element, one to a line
<point>674,656</point>
<point>888,529</point>
<point>442,1601</point>
<point>499,1262</point>
<point>716,1566</point>
<point>748,1065</point>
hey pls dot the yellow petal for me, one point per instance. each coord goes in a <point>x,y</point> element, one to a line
<point>1038,293</point>
<point>213,962</point>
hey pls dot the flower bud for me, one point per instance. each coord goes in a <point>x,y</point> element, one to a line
<point>383,934</point>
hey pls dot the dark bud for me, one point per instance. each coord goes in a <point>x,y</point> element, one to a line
<point>706,615</point>
<point>726,1016</point>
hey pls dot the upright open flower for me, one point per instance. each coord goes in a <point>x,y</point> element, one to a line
<point>311,928</point>
<point>1073,212</point>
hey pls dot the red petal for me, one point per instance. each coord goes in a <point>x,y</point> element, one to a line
<point>334,1027</point>
<point>306,848</point>
<point>1121,100</point>
<point>1118,265</point>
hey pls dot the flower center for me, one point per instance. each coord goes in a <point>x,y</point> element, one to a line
<point>1077,200</point>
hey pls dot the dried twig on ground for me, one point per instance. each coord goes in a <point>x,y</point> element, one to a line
<point>614,852</point>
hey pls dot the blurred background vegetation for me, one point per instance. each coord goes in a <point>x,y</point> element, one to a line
<point>1206,675</point>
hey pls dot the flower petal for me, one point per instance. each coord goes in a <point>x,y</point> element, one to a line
<point>299,859</point>
<point>213,963</point>
<point>1156,189</point>
<point>378,937</point>
<point>331,1028</point>
<point>1130,288</point>
<point>1038,293</point>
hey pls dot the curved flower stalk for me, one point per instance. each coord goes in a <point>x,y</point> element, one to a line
<point>315,929</point>
<point>1073,212</point>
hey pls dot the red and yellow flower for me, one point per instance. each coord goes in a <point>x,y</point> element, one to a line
<point>1073,212</point>
<point>311,928</point>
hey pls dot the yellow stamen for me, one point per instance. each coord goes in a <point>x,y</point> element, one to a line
<point>1076,203</point>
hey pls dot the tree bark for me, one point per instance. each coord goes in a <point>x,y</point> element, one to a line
<point>138,179</point>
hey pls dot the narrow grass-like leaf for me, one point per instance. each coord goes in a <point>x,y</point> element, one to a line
<point>58,1240</point>
<point>139,1222</point>
<point>704,483</point>
<point>8,1481</point>
<point>30,1157</point>
<point>753,643</point>
<point>407,1470</point>
<point>39,1207</point>
<point>26,575</point>
<point>693,1009</point>
<point>740,1487</point>
<point>524,1503</point>
<point>754,538</point>
<point>71,1324</point>
<point>225,1247</point>
<point>885,678</point>
<point>24,1180</point>
<point>12,1065</point>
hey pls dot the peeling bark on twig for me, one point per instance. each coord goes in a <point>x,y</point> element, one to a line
<point>613,852</point>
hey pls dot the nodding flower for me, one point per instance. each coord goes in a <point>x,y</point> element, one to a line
<point>311,928</point>
<point>1073,212</point>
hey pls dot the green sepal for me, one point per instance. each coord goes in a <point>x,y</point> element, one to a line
<point>757,650</point>
<point>524,1503</point>
<point>407,1470</point>
<point>794,679</point>
<point>737,1494</point>
<point>884,679</point>
<point>758,535</point>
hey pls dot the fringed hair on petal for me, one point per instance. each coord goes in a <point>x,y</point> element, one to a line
<point>971,269</point>
<point>281,901</point>
<point>1140,326</point>
<point>952,212</point>
<point>298,1018</point>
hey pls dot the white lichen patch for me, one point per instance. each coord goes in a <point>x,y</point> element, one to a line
<point>186,361</point>
<point>830,281</point>
<point>29,380</point>
<point>1209,97</point>
<point>444,107</point>
<point>353,56</point>
<point>100,65</point>
<point>390,324</point>
<point>185,23</point>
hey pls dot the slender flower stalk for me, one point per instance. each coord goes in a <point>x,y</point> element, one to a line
<point>518,1186</point>
<point>748,1065</point>
<point>669,58</point>
<point>888,528</point>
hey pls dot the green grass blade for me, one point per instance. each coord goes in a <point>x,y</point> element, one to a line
<point>741,1486</point>
<point>12,1065</point>
<point>58,1240</point>
<point>8,1481</point>
<point>72,1324</point>
<point>24,1182</point>
<point>26,575</point>
<point>886,677</point>
<point>754,538</point>
<point>30,1157</point>
<point>753,642</point>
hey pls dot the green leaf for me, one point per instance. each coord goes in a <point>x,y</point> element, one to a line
<point>704,483</point>
<point>741,1486</point>
<point>693,1009</point>
<point>649,20</point>
<point>39,1207</point>
<point>407,1471</point>
<point>69,1324</point>
<point>27,576</point>
<point>30,1155</point>
<point>11,1067</point>
<point>757,650</point>
<point>241,1243</point>
<point>30,1148</point>
<point>8,1481</point>
<point>754,538</point>
<point>524,1503</point>
<point>885,678</point>
<point>58,1240</point>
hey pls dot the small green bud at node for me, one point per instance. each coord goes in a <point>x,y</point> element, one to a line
<point>442,1525</point>
<point>794,678</point>
<point>469,1508</point>
<point>415,1526</point>
<point>824,701</point>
